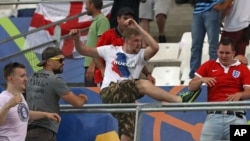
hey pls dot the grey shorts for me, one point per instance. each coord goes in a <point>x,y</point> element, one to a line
<point>152,8</point>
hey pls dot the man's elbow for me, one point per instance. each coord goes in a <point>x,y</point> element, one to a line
<point>192,87</point>
<point>156,48</point>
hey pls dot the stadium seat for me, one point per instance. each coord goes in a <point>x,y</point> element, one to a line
<point>186,38</point>
<point>167,52</point>
<point>185,51</point>
<point>166,76</point>
<point>185,66</point>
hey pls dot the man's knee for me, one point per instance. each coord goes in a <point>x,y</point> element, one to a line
<point>143,85</point>
<point>161,16</point>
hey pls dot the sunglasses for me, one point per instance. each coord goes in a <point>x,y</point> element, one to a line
<point>57,59</point>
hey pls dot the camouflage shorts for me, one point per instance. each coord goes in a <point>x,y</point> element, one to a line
<point>122,92</point>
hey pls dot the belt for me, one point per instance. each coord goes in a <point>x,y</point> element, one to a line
<point>238,114</point>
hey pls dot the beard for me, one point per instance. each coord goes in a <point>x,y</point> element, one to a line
<point>58,71</point>
<point>89,13</point>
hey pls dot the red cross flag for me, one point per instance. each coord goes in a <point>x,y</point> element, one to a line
<point>47,13</point>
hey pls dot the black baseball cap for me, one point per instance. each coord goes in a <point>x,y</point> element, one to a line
<point>49,53</point>
<point>126,11</point>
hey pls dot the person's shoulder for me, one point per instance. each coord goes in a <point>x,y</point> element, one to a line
<point>102,17</point>
<point>110,31</point>
<point>43,74</point>
<point>243,66</point>
<point>49,75</point>
<point>4,97</point>
<point>210,62</point>
<point>111,47</point>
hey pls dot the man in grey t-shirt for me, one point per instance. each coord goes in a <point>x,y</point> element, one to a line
<point>44,89</point>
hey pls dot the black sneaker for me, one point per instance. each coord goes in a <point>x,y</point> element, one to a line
<point>162,39</point>
<point>190,96</point>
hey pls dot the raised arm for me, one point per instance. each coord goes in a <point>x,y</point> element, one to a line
<point>80,46</point>
<point>153,46</point>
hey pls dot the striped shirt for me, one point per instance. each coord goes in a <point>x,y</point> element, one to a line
<point>205,5</point>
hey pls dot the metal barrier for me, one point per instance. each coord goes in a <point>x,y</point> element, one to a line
<point>155,107</point>
<point>138,108</point>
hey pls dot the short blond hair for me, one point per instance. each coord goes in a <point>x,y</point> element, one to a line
<point>128,32</point>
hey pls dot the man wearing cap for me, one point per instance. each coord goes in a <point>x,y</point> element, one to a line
<point>114,36</point>
<point>44,89</point>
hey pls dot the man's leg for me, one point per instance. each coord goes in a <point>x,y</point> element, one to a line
<point>145,16</point>
<point>161,8</point>
<point>161,20</point>
<point>212,129</point>
<point>146,87</point>
<point>198,34</point>
<point>122,92</point>
<point>212,25</point>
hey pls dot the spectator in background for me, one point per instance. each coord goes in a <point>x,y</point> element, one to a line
<point>99,25</point>
<point>14,112</point>
<point>159,9</point>
<point>118,4</point>
<point>44,89</point>
<point>206,19</point>
<point>227,80</point>
<point>236,20</point>
<point>113,36</point>
<point>123,66</point>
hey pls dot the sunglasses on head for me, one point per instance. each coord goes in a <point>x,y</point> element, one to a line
<point>57,59</point>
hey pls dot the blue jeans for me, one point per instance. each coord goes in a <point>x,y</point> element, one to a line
<point>217,126</point>
<point>206,22</point>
